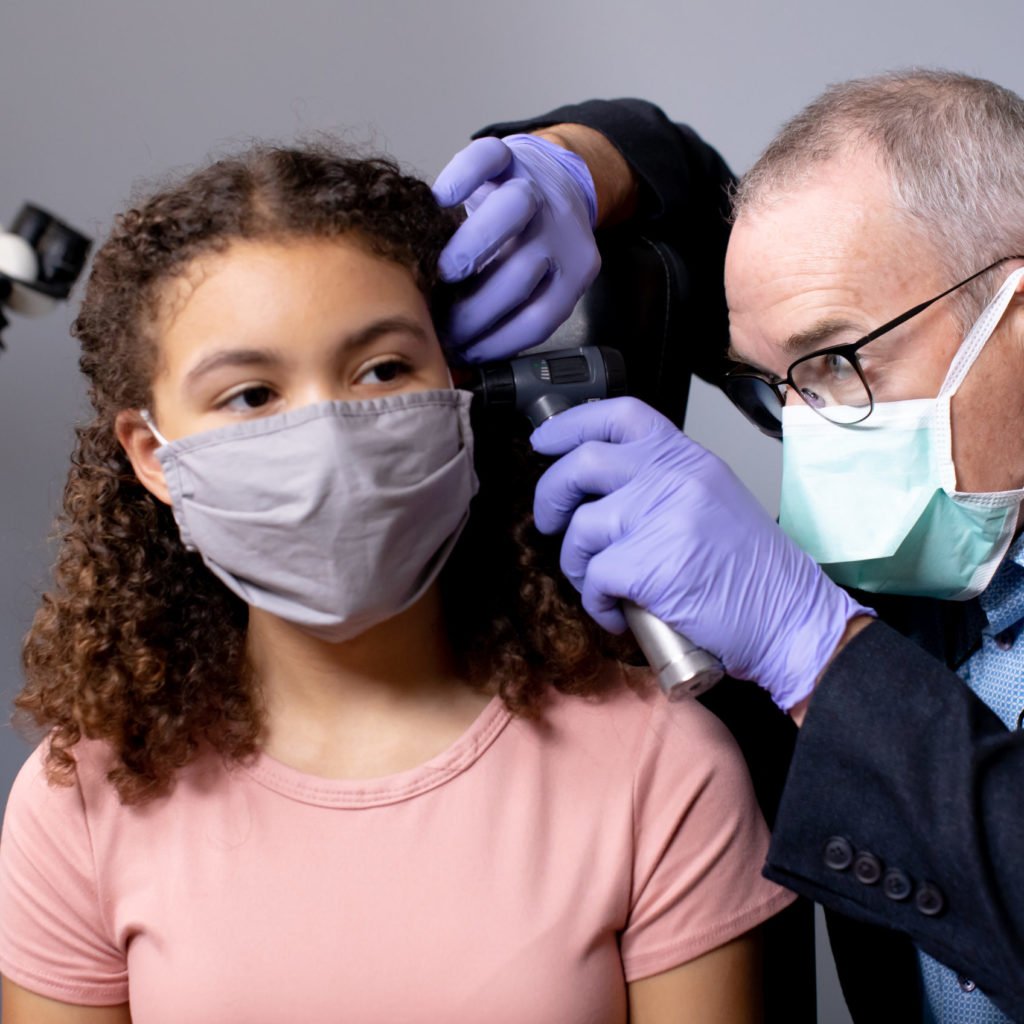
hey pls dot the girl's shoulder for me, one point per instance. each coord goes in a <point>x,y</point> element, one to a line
<point>93,761</point>
<point>85,790</point>
<point>630,714</point>
<point>630,696</point>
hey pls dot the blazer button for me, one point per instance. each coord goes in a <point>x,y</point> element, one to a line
<point>896,884</point>
<point>929,899</point>
<point>867,868</point>
<point>838,853</point>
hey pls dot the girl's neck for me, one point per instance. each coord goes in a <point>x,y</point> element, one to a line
<point>384,701</point>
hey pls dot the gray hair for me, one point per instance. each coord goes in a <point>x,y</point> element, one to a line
<point>953,147</point>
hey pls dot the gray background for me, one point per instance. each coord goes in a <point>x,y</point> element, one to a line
<point>99,95</point>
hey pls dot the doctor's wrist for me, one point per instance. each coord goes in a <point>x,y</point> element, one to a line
<point>614,181</point>
<point>799,710</point>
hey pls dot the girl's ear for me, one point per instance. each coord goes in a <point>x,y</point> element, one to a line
<point>140,446</point>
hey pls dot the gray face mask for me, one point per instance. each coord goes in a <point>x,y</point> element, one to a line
<point>335,516</point>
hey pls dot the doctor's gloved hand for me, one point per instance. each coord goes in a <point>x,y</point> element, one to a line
<point>528,242</point>
<point>674,530</point>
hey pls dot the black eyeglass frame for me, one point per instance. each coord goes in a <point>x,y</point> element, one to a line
<point>848,351</point>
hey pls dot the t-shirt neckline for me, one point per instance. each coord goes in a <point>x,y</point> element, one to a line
<point>353,794</point>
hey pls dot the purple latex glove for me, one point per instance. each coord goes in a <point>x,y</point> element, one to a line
<point>528,238</point>
<point>674,530</point>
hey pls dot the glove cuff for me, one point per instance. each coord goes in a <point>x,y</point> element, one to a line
<point>815,641</point>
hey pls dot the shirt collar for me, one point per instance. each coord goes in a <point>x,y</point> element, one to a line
<point>1015,553</point>
<point>1003,599</point>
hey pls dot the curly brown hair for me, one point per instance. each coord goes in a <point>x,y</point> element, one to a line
<point>138,644</point>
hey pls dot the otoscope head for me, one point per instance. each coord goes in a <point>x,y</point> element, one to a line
<point>541,384</point>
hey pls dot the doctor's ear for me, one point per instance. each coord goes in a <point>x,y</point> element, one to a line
<point>1016,307</point>
<point>140,446</point>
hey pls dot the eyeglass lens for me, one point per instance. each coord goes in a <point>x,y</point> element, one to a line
<point>832,385</point>
<point>758,401</point>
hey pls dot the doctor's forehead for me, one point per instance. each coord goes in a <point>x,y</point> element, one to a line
<point>835,249</point>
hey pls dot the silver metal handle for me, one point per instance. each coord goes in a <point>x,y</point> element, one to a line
<point>683,668</point>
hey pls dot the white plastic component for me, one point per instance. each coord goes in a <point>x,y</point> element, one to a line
<point>17,258</point>
<point>29,303</point>
<point>18,261</point>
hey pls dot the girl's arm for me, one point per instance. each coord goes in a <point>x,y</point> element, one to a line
<point>23,1007</point>
<point>721,987</point>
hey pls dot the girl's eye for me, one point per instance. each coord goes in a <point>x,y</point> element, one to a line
<point>385,372</point>
<point>250,398</point>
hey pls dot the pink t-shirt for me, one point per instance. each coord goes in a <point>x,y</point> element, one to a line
<point>526,874</point>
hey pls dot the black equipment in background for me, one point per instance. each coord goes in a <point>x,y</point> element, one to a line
<point>41,257</point>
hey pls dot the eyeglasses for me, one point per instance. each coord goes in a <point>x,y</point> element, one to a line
<point>831,381</point>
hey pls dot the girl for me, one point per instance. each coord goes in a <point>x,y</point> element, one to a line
<point>294,771</point>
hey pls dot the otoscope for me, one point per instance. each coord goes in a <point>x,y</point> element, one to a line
<point>541,384</point>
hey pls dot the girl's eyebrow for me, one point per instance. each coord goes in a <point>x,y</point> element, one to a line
<point>232,357</point>
<point>270,356</point>
<point>386,325</point>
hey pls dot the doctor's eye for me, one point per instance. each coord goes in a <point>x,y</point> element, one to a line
<point>838,367</point>
<point>253,397</point>
<point>830,380</point>
<point>387,371</point>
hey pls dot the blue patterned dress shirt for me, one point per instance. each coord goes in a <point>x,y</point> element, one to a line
<point>996,674</point>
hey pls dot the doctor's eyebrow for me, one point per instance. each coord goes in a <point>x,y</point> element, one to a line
<point>275,356</point>
<point>820,335</point>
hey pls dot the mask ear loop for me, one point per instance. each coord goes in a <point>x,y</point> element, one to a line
<point>148,420</point>
<point>970,348</point>
<point>978,335</point>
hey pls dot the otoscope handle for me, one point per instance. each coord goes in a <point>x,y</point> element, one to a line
<point>683,668</point>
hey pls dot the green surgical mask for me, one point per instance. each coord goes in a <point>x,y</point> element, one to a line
<point>876,504</point>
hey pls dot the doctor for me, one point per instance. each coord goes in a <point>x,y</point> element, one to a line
<point>875,285</point>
